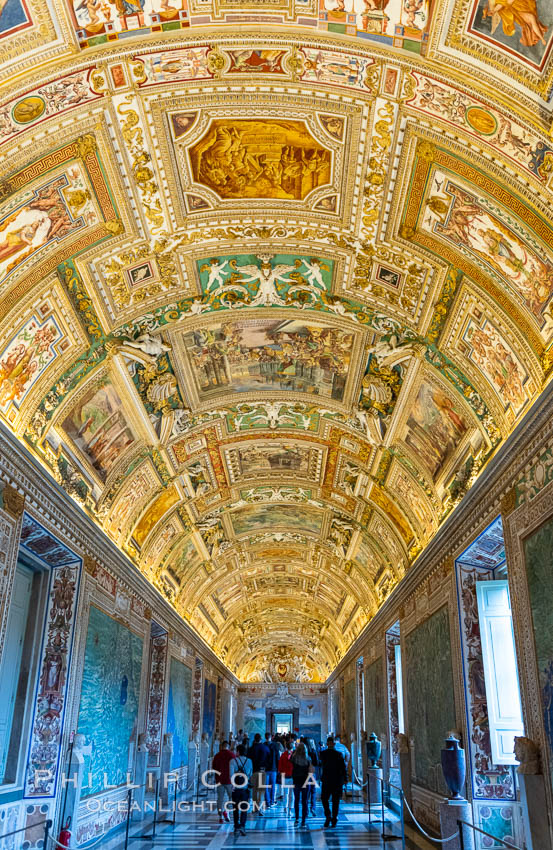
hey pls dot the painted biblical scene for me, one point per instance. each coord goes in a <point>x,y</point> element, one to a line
<point>496,359</point>
<point>269,355</point>
<point>430,671</point>
<point>179,717</point>
<point>459,217</point>
<point>108,712</point>
<point>537,552</point>
<point>265,279</point>
<point>26,358</point>
<point>523,28</point>
<point>210,699</point>
<point>247,158</point>
<point>47,215</point>
<point>268,517</point>
<point>434,427</point>
<point>184,563</point>
<point>99,427</point>
<point>263,460</point>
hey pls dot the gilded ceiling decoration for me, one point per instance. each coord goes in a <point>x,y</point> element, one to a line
<point>270,302</point>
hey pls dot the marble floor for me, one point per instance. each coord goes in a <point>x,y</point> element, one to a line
<point>202,831</point>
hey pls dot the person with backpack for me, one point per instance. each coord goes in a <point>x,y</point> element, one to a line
<point>285,769</point>
<point>240,771</point>
<point>302,770</point>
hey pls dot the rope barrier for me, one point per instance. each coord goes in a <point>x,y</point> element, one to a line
<point>64,846</point>
<point>426,835</point>
<point>358,781</point>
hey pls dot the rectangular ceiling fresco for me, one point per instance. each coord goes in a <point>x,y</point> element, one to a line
<point>268,517</point>
<point>269,355</point>
<point>99,428</point>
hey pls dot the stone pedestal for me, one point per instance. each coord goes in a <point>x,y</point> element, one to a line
<point>204,764</point>
<point>405,774</point>
<point>450,812</point>
<point>140,777</point>
<point>165,772</point>
<point>374,775</point>
<point>534,811</point>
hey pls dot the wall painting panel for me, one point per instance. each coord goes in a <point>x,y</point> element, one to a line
<point>429,671</point>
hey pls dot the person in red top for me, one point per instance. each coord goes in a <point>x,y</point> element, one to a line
<point>221,762</point>
<point>285,768</point>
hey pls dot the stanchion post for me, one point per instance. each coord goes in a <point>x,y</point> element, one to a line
<point>156,802</point>
<point>369,799</point>
<point>129,804</point>
<point>383,834</point>
<point>47,827</point>
<point>461,839</point>
<point>402,819</point>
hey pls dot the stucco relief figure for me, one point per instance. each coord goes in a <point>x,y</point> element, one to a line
<point>528,754</point>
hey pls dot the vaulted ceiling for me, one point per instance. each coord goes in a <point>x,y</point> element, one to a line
<point>275,284</point>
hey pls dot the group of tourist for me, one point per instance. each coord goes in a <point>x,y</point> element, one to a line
<point>280,770</point>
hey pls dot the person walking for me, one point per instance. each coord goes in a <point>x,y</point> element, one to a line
<point>240,771</point>
<point>285,769</point>
<point>302,769</point>
<point>260,755</point>
<point>312,787</point>
<point>275,750</point>
<point>341,748</point>
<point>333,778</point>
<point>220,763</point>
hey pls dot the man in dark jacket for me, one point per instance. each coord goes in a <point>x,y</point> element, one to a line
<point>260,755</point>
<point>275,750</point>
<point>333,778</point>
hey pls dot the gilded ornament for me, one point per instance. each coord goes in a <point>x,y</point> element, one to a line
<point>12,501</point>
<point>29,109</point>
<point>426,150</point>
<point>86,145</point>
<point>509,502</point>
<point>115,227</point>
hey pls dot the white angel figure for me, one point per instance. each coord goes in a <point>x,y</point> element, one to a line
<point>314,272</point>
<point>216,270</point>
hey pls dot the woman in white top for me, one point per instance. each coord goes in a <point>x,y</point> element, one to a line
<point>240,770</point>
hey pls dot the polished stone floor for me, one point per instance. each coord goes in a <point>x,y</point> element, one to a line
<point>201,831</point>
